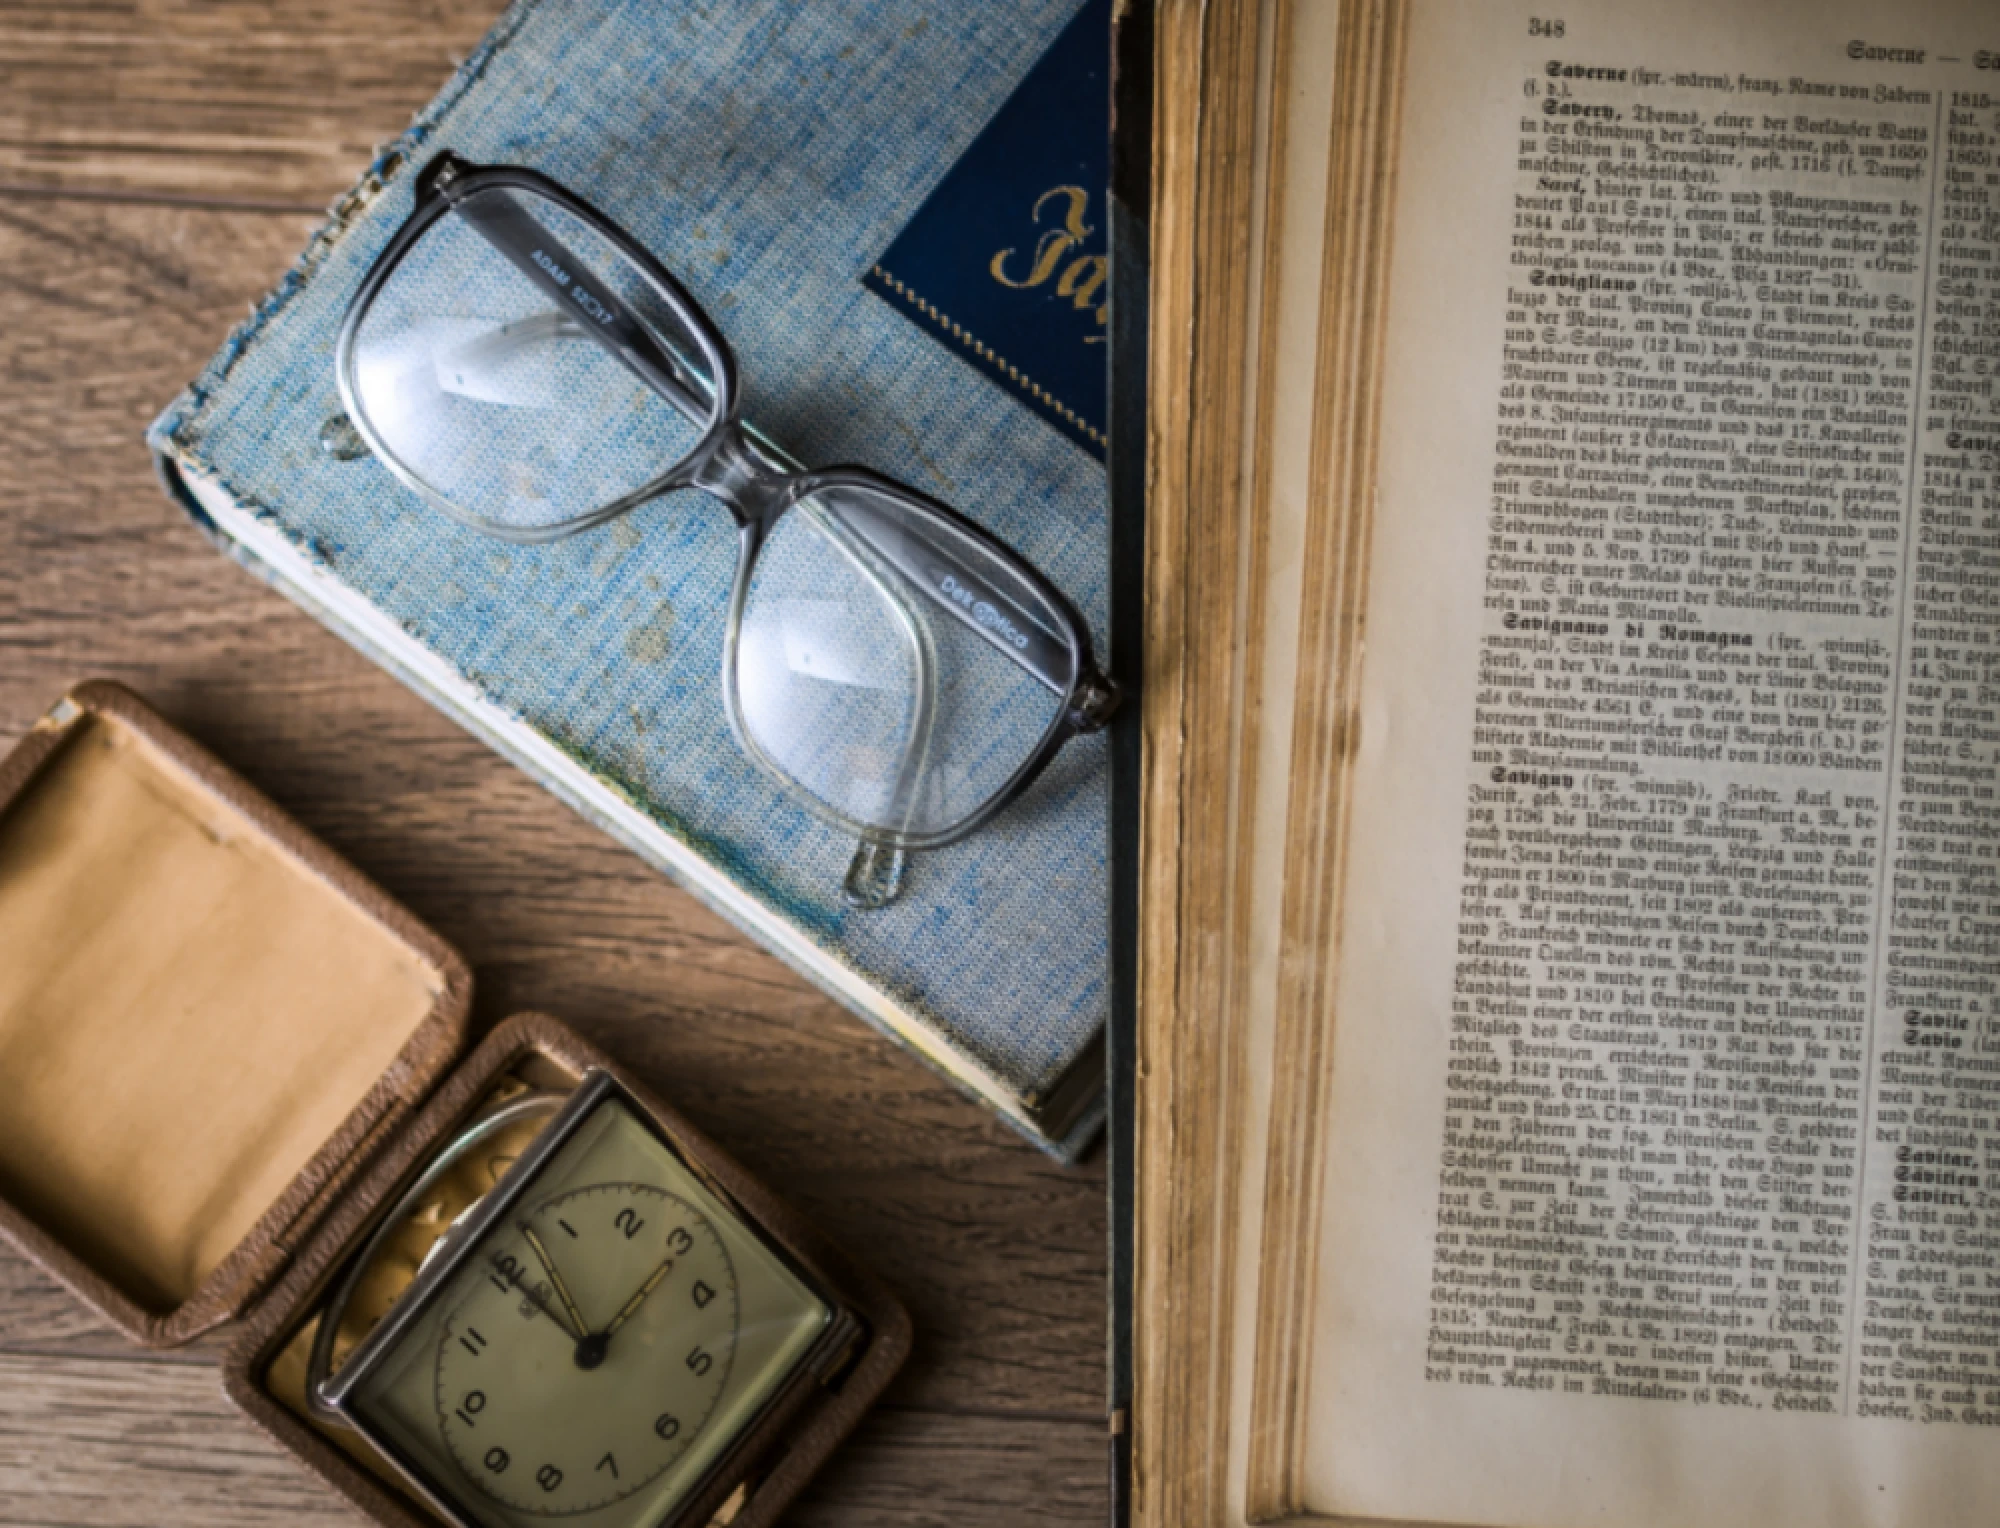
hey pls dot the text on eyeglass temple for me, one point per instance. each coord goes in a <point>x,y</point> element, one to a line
<point>983,613</point>
<point>578,294</point>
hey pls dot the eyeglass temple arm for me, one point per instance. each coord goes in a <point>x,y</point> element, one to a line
<point>537,254</point>
<point>928,564</point>
<point>1012,631</point>
<point>958,591</point>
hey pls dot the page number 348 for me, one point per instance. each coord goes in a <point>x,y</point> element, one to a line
<point>1537,27</point>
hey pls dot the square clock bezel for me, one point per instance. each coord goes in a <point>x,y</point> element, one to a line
<point>841,1336</point>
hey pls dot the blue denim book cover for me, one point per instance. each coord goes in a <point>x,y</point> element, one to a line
<point>768,154</point>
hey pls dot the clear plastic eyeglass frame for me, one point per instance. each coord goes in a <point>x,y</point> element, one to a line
<point>899,672</point>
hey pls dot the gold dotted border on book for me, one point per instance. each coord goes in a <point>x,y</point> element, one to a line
<point>986,353</point>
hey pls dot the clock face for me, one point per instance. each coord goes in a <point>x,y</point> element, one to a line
<point>521,1419</point>
<point>612,1329</point>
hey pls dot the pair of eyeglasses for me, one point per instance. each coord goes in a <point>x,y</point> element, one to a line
<point>525,366</point>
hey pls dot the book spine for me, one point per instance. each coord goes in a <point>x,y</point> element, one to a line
<point>1131,277</point>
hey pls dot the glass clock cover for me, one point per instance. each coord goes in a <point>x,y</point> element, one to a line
<point>596,1349</point>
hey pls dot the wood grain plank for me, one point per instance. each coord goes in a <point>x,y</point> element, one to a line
<point>919,1470</point>
<point>138,1445</point>
<point>148,1445</point>
<point>105,310</point>
<point>279,104</point>
<point>40,1317</point>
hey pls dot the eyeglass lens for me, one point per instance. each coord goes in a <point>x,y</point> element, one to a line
<point>892,665</point>
<point>477,366</point>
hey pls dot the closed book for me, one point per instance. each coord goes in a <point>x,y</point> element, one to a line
<point>768,155</point>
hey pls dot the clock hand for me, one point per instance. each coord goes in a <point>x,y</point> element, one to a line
<point>537,1297</point>
<point>575,1325</point>
<point>652,1283</point>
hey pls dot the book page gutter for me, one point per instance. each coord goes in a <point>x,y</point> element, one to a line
<point>1664,1181</point>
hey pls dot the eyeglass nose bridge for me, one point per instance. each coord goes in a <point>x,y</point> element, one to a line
<point>739,466</point>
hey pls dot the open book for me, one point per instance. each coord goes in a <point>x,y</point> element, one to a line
<point>1568,1067</point>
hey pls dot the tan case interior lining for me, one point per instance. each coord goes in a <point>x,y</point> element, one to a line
<point>201,1011</point>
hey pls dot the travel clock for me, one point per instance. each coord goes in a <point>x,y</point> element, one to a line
<point>593,1342</point>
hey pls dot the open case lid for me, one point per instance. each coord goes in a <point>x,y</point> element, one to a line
<point>209,1022</point>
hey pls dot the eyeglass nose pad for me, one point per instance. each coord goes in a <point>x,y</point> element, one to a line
<point>340,440</point>
<point>874,876</point>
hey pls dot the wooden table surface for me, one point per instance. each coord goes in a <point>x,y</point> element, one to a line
<point>161,162</point>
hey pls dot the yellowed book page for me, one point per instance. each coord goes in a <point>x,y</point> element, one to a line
<point>1664,1183</point>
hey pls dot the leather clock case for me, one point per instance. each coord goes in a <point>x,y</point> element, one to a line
<point>787,1445</point>
<point>225,1049</point>
<point>209,1022</point>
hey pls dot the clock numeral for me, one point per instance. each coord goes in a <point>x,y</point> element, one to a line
<point>668,1427</point>
<point>629,1223</point>
<point>472,1342</point>
<point>548,1477</point>
<point>607,1462</point>
<point>497,1460</point>
<point>700,1362</point>
<point>506,1272</point>
<point>702,1295</point>
<point>678,1239</point>
<point>471,1406</point>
